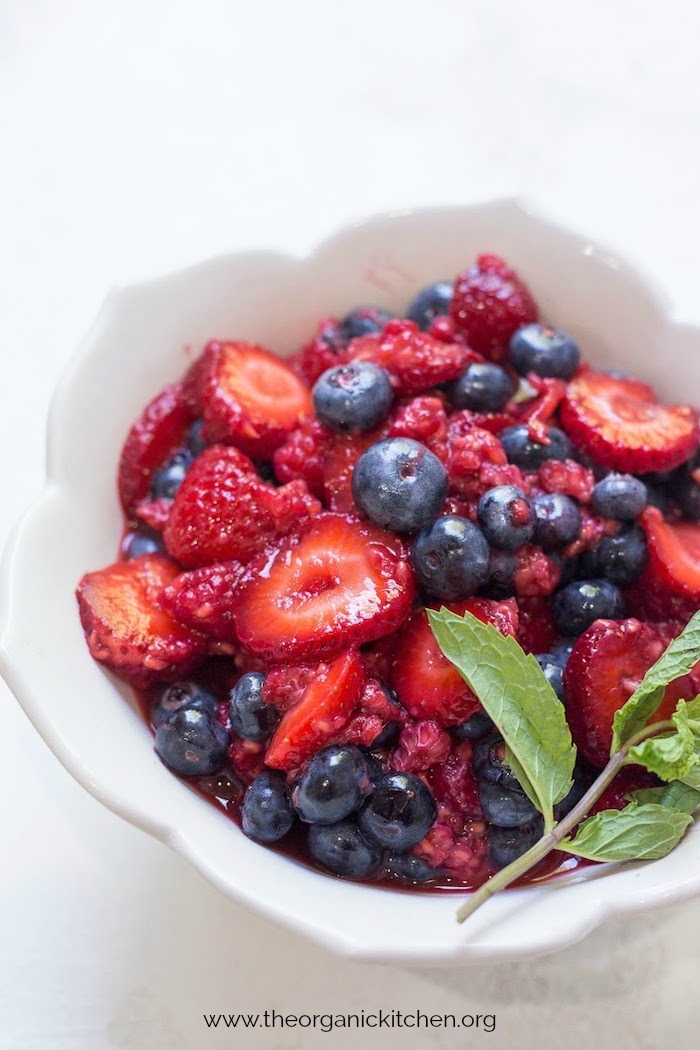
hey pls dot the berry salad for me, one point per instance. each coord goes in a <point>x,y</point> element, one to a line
<point>291,523</point>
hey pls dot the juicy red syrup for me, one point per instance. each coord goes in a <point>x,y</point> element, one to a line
<point>225,792</point>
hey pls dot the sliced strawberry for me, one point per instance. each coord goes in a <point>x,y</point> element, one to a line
<point>674,556</point>
<point>414,360</point>
<point>427,684</point>
<point>126,627</point>
<point>619,423</point>
<point>606,665</point>
<point>321,713</point>
<point>338,583</point>
<point>647,600</point>
<point>248,397</point>
<point>223,511</point>
<point>490,301</point>
<point>203,599</point>
<point>156,434</point>
<point>454,784</point>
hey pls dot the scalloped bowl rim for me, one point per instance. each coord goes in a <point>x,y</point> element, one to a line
<point>519,923</point>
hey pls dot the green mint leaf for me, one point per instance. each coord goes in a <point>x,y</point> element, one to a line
<point>636,832</point>
<point>672,756</point>
<point>682,654</point>
<point>515,693</point>
<point>675,796</point>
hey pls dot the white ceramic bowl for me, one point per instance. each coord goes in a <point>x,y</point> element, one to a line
<point>136,346</point>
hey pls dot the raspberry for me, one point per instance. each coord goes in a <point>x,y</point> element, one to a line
<point>375,701</point>
<point>284,686</point>
<point>536,573</point>
<point>378,657</point>
<point>203,599</point>
<point>420,746</point>
<point>301,457</point>
<point>414,360</point>
<point>362,730</point>
<point>338,465</point>
<point>470,449</point>
<point>567,477</point>
<point>593,529</point>
<point>424,419</point>
<point>462,856</point>
<point>490,301</point>
<point>325,349</point>
<point>154,513</point>
<point>453,783</point>
<point>247,758</point>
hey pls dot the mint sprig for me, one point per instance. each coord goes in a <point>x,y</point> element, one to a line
<point>513,690</point>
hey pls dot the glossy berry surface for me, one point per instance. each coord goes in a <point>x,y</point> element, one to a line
<point>399,812</point>
<point>621,558</point>
<point>431,302</point>
<point>181,695</point>
<point>523,451</point>
<point>251,717</point>
<point>451,558</point>
<point>168,479</point>
<point>353,398</point>
<point>506,517</point>
<point>553,671</point>
<point>138,543</point>
<point>484,387</point>
<point>544,351</point>
<point>619,496</point>
<point>399,484</point>
<point>558,521</point>
<point>506,845</point>
<point>333,785</point>
<point>505,807</point>
<point>488,763</point>
<point>407,868</point>
<point>576,606</point>
<point>195,438</point>
<point>474,728</point>
<point>266,813</point>
<point>191,743</point>
<point>344,850</point>
<point>365,320</point>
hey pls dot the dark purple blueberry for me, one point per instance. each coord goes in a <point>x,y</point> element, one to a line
<point>344,850</point>
<point>505,807</point>
<point>333,785</point>
<point>141,542</point>
<point>195,437</point>
<point>579,604</point>
<point>545,351</point>
<point>506,845</point>
<point>192,743</point>
<point>353,398</point>
<point>488,763</point>
<point>174,697</point>
<point>451,558</point>
<point>407,868</point>
<point>399,484</point>
<point>251,717</point>
<point>558,521</point>
<point>619,496</point>
<point>484,387</point>
<point>474,728</point>
<point>506,517</point>
<point>366,320</point>
<point>171,475</point>
<point>621,558</point>
<point>521,450</point>
<point>399,813</point>
<point>553,672</point>
<point>266,813</point>
<point>431,302</point>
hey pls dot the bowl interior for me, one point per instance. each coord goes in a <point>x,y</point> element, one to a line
<point>142,339</point>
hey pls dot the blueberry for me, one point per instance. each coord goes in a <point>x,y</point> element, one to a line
<point>474,728</point>
<point>388,736</point>
<point>619,496</point>
<point>528,454</point>
<point>406,868</point>
<point>506,516</point>
<point>558,521</point>
<point>482,388</point>
<point>619,558</point>
<point>506,845</point>
<point>266,471</point>
<point>657,496</point>
<point>562,652</point>
<point>399,484</point>
<point>251,717</point>
<point>178,695</point>
<point>366,320</point>
<point>686,492</point>
<point>451,558</point>
<point>344,850</point>
<point>502,568</point>
<point>192,743</point>
<point>171,475</point>
<point>579,604</point>
<point>505,807</point>
<point>583,777</point>
<point>195,437</point>
<point>545,351</point>
<point>139,542</point>
<point>553,672</point>
<point>353,397</point>
<point>431,302</point>
<point>488,764</point>
<point>400,811</point>
<point>266,813</point>
<point>333,785</point>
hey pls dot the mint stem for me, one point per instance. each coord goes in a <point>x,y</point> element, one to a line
<point>560,831</point>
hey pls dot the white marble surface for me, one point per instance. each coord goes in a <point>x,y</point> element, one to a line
<point>139,136</point>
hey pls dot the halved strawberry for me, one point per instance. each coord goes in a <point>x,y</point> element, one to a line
<point>321,713</point>
<point>156,434</point>
<point>606,665</point>
<point>126,627</point>
<point>338,583</point>
<point>203,599</point>
<point>247,396</point>
<point>619,423</point>
<point>414,360</point>
<point>223,511</point>
<point>427,684</point>
<point>674,556</point>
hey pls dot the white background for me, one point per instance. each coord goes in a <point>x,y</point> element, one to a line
<point>136,137</point>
